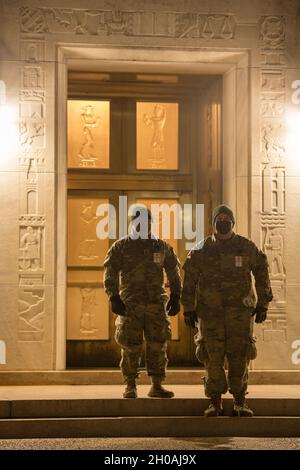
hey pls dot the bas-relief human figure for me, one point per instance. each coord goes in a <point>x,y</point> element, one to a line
<point>89,121</point>
<point>156,121</point>
<point>30,247</point>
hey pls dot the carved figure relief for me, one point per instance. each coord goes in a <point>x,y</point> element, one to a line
<point>31,315</point>
<point>156,121</point>
<point>87,317</point>
<point>30,248</point>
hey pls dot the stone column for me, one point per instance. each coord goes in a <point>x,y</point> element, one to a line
<point>27,196</point>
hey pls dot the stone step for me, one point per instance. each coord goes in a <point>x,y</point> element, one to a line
<point>114,407</point>
<point>150,426</point>
<point>190,376</point>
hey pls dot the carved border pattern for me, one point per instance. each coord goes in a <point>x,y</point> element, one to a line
<point>272,34</point>
<point>32,103</point>
<point>127,23</point>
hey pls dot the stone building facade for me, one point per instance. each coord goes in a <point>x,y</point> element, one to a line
<point>253,46</point>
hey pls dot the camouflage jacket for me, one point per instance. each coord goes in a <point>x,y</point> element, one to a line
<point>135,270</point>
<point>218,274</point>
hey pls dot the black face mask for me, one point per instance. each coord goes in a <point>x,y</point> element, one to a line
<point>223,226</point>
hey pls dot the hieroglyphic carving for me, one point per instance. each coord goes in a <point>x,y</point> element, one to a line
<point>273,227</point>
<point>273,189</point>
<point>31,109</point>
<point>272,80</point>
<point>273,57</point>
<point>275,328</point>
<point>32,219</point>
<point>89,120</point>
<point>273,171</point>
<point>33,77</point>
<point>32,95</point>
<point>272,105</point>
<point>273,146</point>
<point>156,121</point>
<point>87,314</point>
<point>127,23</point>
<point>87,245</point>
<point>196,25</point>
<point>32,20</point>
<point>32,133</point>
<point>31,162</point>
<point>116,22</point>
<point>32,50</point>
<point>30,158</point>
<point>272,31</point>
<point>30,248</point>
<point>273,247</point>
<point>31,314</point>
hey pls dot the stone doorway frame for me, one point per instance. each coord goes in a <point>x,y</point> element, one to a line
<point>234,66</point>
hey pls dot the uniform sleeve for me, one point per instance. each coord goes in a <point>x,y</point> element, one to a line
<point>112,266</point>
<point>191,269</point>
<point>171,266</point>
<point>259,267</point>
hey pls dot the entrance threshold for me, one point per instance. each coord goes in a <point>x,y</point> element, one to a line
<point>106,376</point>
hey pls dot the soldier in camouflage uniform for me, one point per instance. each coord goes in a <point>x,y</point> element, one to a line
<point>139,299</point>
<point>218,296</point>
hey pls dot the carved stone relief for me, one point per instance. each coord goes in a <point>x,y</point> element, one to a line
<point>273,187</point>
<point>87,314</point>
<point>33,77</point>
<point>32,50</point>
<point>127,23</point>
<point>31,315</point>
<point>273,147</point>
<point>32,141</point>
<point>272,105</point>
<point>272,31</point>
<point>273,171</point>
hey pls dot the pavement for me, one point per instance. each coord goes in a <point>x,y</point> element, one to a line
<point>110,444</point>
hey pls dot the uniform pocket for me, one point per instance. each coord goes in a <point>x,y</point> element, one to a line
<point>201,352</point>
<point>252,350</point>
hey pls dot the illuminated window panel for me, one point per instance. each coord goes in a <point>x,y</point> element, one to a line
<point>88,134</point>
<point>159,230</point>
<point>88,313</point>
<point>157,136</point>
<point>84,246</point>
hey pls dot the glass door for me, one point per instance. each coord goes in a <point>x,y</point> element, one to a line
<point>137,141</point>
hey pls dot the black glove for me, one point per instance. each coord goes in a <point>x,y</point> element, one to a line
<point>173,306</point>
<point>260,313</point>
<point>117,306</point>
<point>190,318</point>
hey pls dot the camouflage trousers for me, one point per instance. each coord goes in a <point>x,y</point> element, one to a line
<point>225,334</point>
<point>149,321</point>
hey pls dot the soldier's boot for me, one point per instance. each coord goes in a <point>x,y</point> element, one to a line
<point>158,391</point>
<point>240,407</point>
<point>215,407</point>
<point>130,390</point>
